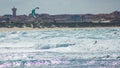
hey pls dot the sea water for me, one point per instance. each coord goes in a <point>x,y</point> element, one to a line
<point>59,48</point>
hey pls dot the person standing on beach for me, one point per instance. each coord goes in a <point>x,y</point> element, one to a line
<point>33,12</point>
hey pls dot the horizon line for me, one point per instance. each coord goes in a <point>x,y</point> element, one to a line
<point>66,13</point>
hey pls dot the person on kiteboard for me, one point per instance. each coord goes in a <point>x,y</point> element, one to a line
<point>33,12</point>
<point>35,21</point>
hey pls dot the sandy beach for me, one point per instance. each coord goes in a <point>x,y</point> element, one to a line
<point>28,28</point>
<point>17,29</point>
<point>63,28</point>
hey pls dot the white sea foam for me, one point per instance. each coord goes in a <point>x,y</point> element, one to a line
<point>71,44</point>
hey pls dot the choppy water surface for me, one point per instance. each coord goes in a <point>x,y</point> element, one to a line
<point>73,48</point>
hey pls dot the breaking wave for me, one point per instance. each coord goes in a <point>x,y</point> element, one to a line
<point>55,48</point>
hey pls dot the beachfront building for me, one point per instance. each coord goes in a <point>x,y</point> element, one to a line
<point>14,11</point>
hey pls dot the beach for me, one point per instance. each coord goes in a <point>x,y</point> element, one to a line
<point>56,28</point>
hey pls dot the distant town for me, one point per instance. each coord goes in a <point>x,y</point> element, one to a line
<point>63,20</point>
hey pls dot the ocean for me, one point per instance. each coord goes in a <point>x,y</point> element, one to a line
<point>61,48</point>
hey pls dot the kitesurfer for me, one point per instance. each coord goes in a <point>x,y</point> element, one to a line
<point>33,12</point>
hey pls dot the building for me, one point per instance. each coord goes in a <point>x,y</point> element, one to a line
<point>14,11</point>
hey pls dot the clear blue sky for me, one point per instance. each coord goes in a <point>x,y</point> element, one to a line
<point>60,6</point>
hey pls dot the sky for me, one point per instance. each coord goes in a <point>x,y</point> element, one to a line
<point>60,6</point>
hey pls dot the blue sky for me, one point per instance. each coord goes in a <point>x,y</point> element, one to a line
<point>60,6</point>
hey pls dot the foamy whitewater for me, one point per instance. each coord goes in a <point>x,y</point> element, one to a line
<point>73,48</point>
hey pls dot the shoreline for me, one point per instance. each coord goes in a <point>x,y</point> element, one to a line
<point>56,28</point>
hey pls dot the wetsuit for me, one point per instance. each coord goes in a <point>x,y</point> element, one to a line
<point>33,13</point>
